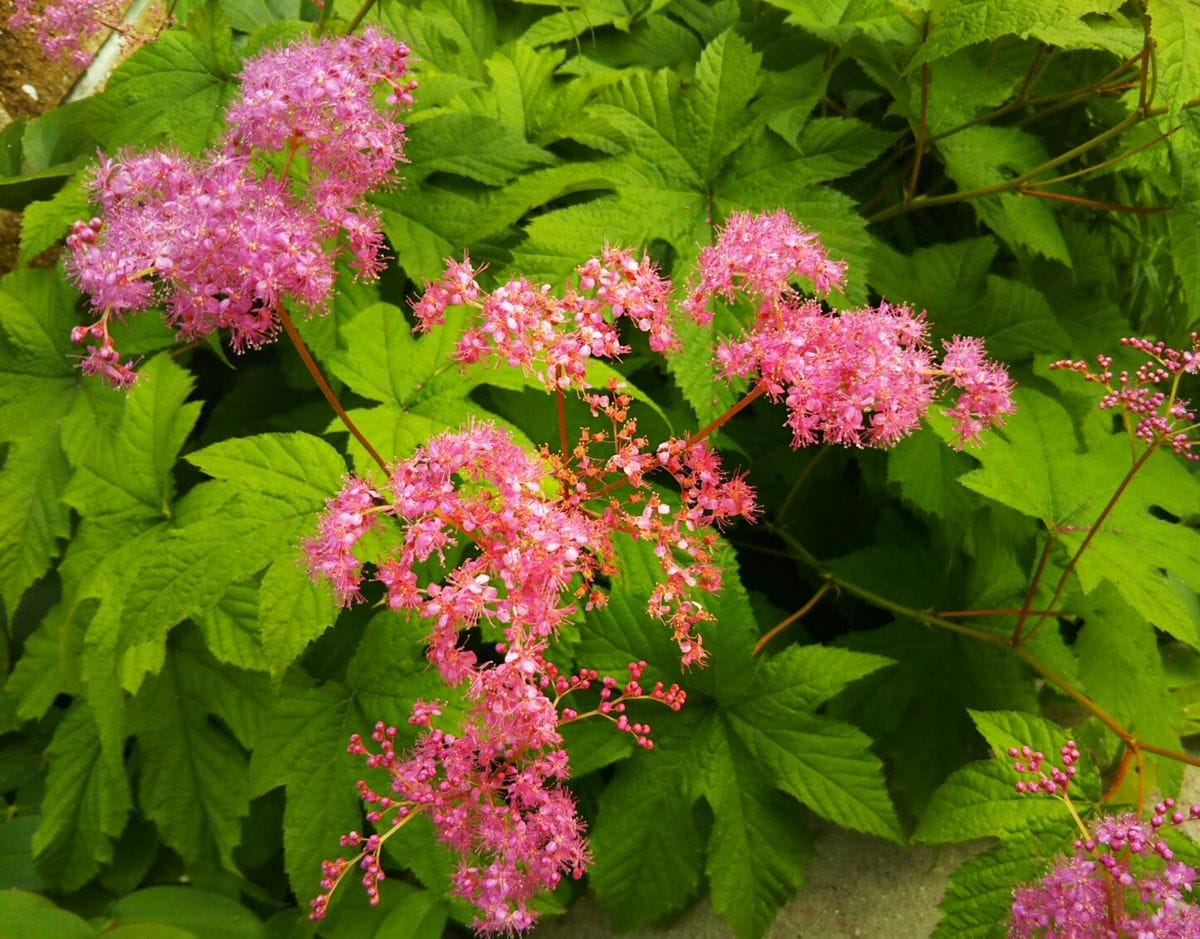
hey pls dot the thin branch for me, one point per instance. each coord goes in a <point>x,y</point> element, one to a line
<point>922,128</point>
<point>799,614</point>
<point>1095,203</point>
<point>319,377</point>
<point>1093,530</point>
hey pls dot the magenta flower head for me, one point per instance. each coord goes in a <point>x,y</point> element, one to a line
<point>862,378</point>
<point>219,246</point>
<point>553,338</point>
<point>759,255</point>
<point>1122,880</point>
<point>336,102</point>
<point>223,240</point>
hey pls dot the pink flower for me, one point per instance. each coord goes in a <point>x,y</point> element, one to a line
<point>223,240</point>
<point>551,337</point>
<point>64,26</point>
<point>758,256</point>
<point>348,516</point>
<point>1149,395</point>
<point>1123,880</point>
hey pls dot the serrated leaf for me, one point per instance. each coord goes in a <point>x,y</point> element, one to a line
<point>195,564</point>
<point>45,223</point>
<point>758,847</point>
<point>956,24</point>
<point>293,611</point>
<point>825,764</point>
<point>980,800</point>
<point>85,806</point>
<point>1027,469</point>
<point>647,848</point>
<point>300,469</point>
<point>194,777</point>
<point>175,89</point>
<point>37,390</point>
<point>983,156</point>
<point>978,899</point>
<point>1121,668</point>
<point>1154,562</point>
<point>714,107</point>
<point>471,145</point>
<point>1175,29</point>
<point>927,473</point>
<point>128,475</point>
<point>1183,224</point>
<point>231,628</point>
<point>302,745</point>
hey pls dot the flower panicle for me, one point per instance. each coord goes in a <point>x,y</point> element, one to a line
<point>1149,395</point>
<point>223,240</point>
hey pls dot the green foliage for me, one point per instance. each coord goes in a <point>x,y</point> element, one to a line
<point>177,694</point>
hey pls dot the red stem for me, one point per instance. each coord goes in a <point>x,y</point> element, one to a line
<point>319,377</point>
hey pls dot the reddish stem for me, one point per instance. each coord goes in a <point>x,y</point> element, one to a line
<point>319,377</point>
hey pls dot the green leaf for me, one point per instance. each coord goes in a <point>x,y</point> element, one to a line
<point>36,392</point>
<point>194,777</point>
<point>979,897</point>
<point>1030,467</point>
<point>173,90</point>
<point>647,848</point>
<point>1175,29</point>
<point>200,912</point>
<point>955,24</point>
<point>302,745</point>
<point>231,628</point>
<point>471,145</point>
<point>757,849</point>
<point>128,475</point>
<point>45,223</point>
<point>824,763</point>
<point>978,157</point>
<point>1122,671</point>
<point>293,611</point>
<point>195,564</point>
<point>85,806</point>
<point>1154,562</point>
<point>979,800</point>
<point>299,469</point>
<point>714,108</point>
<point>1183,224</point>
<point>32,916</point>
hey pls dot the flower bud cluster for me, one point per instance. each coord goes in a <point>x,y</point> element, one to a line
<point>1150,394</point>
<point>1027,761</point>
<point>224,239</point>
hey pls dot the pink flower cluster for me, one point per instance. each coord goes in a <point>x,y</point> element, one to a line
<point>1122,880</point>
<point>554,337</point>
<point>1161,416</point>
<point>493,790</point>
<point>64,26</point>
<point>533,548</point>
<point>862,378</point>
<point>221,240</point>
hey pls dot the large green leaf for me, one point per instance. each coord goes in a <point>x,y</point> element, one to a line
<point>194,778</point>
<point>85,806</point>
